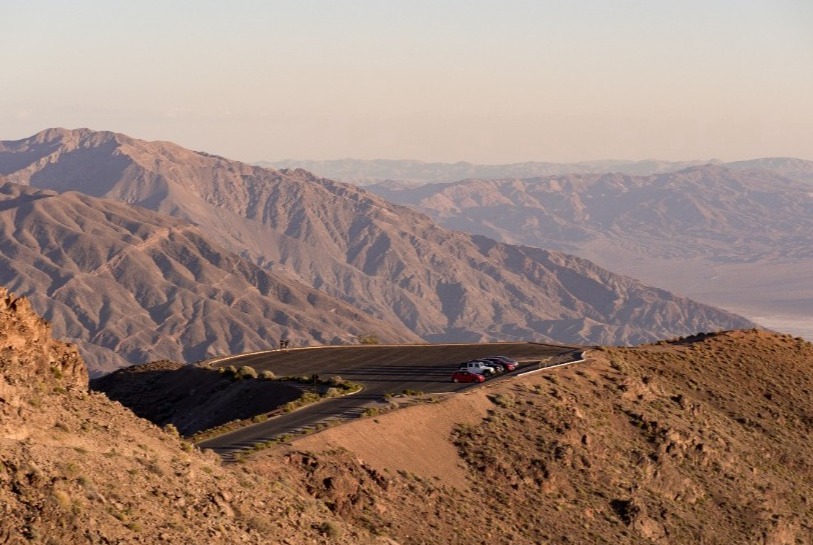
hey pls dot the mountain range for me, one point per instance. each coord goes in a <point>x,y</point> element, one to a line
<point>269,234</point>
<point>412,173</point>
<point>126,284</point>
<point>738,235</point>
<point>365,172</point>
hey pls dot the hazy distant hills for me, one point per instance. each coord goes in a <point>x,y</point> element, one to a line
<point>406,173</point>
<point>795,169</point>
<point>739,236</point>
<point>128,285</point>
<point>385,260</point>
<point>363,172</point>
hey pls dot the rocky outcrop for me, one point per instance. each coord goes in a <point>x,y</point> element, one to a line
<point>28,354</point>
<point>76,468</point>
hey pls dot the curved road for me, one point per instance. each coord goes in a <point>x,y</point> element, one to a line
<point>381,369</point>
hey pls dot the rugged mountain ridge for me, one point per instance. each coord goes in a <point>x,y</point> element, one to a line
<point>736,237</point>
<point>383,259</point>
<point>128,285</point>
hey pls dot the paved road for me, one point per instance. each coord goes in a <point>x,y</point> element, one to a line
<point>380,369</point>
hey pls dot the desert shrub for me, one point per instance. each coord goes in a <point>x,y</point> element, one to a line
<point>619,364</point>
<point>337,381</point>
<point>172,430</point>
<point>503,400</point>
<point>268,375</point>
<point>368,338</point>
<point>246,372</point>
<point>61,426</point>
<point>133,526</point>
<point>327,529</point>
<point>62,498</point>
<point>307,398</point>
<point>333,392</point>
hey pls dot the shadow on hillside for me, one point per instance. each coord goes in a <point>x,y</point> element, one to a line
<point>193,399</point>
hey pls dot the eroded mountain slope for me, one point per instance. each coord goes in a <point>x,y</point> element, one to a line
<point>737,237</point>
<point>384,259</point>
<point>129,285</point>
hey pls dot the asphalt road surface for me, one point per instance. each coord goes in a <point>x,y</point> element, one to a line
<point>381,369</point>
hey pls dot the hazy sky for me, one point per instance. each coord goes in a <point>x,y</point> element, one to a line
<point>480,81</point>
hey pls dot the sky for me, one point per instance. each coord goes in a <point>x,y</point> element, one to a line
<point>445,80</point>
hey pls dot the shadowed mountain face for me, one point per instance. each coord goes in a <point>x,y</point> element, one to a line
<point>739,237</point>
<point>127,284</point>
<point>386,260</point>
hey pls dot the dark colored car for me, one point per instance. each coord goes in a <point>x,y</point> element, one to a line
<point>466,376</point>
<point>508,363</point>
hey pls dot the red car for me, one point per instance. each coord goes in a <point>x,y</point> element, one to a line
<point>466,376</point>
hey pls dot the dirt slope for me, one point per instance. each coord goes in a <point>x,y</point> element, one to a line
<point>700,441</point>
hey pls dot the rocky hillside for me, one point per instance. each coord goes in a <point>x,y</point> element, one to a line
<point>700,440</point>
<point>77,468</point>
<point>385,260</point>
<point>738,237</point>
<point>128,285</point>
<point>30,356</point>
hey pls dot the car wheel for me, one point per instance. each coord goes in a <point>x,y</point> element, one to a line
<point>455,380</point>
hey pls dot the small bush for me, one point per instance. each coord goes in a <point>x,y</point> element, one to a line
<point>503,400</point>
<point>172,430</point>
<point>337,381</point>
<point>246,372</point>
<point>368,339</point>
<point>327,529</point>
